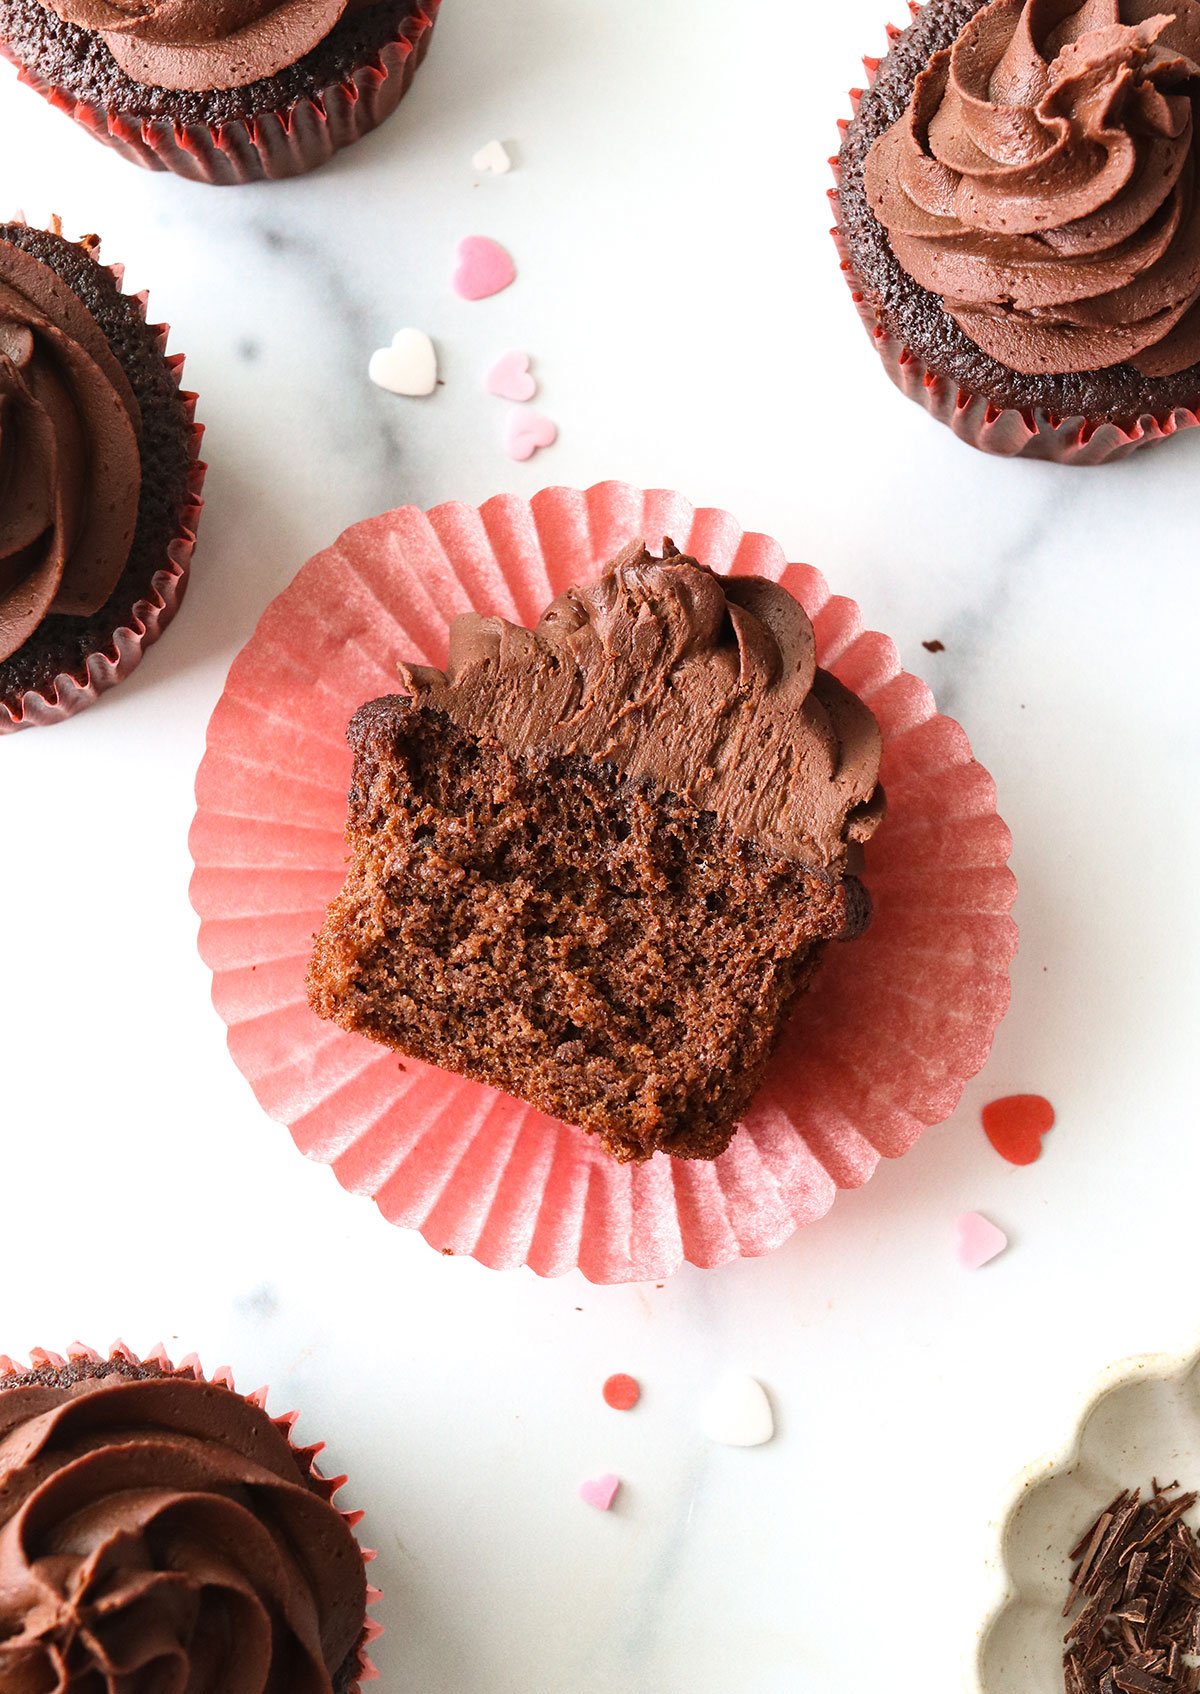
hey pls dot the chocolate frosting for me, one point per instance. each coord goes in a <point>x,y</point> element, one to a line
<point>1043,183</point>
<point>706,686</point>
<point>70,467</point>
<point>157,1537</point>
<point>202,44</point>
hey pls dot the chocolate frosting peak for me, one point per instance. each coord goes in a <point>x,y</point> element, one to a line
<point>202,44</point>
<point>706,686</point>
<point>70,467</point>
<point>157,1536</point>
<point>1043,183</point>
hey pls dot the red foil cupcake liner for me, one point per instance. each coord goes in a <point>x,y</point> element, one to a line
<point>71,691</point>
<point>882,1044</point>
<point>282,142</point>
<point>1008,431</point>
<point>306,1457</point>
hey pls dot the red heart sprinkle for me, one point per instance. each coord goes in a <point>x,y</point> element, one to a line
<point>622,1393</point>
<point>1015,1126</point>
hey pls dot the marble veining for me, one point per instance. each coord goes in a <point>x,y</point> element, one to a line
<point>666,206</point>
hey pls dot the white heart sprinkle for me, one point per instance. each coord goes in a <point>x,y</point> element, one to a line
<point>738,1413</point>
<point>408,366</point>
<point>493,158</point>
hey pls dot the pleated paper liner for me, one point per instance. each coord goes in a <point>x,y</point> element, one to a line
<point>284,141</point>
<point>1008,431</point>
<point>122,652</point>
<point>306,1457</point>
<point>879,1048</point>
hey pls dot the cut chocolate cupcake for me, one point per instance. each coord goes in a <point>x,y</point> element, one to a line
<point>594,863</point>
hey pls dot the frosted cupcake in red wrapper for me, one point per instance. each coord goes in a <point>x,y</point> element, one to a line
<point>234,92</point>
<point>99,477</point>
<point>1019,220</point>
<point>159,1530</point>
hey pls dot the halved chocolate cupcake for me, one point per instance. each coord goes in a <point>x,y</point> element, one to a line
<point>234,92</point>
<point>594,864</point>
<point>1019,216</point>
<point>160,1531</point>
<point>99,477</point>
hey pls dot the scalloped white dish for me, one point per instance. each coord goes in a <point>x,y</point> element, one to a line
<point>1143,1422</point>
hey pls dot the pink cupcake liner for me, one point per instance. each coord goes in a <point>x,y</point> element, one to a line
<point>306,1457</point>
<point>880,1048</point>
<point>1011,433</point>
<point>283,142</point>
<point>122,653</point>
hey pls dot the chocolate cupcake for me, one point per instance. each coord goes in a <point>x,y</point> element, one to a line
<point>1019,216</point>
<point>594,864</point>
<point>99,477</point>
<point>233,92</point>
<point>158,1531</point>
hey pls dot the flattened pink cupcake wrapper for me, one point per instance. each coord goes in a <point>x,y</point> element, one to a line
<point>122,653</point>
<point>880,1047</point>
<point>1011,433</point>
<point>284,142</point>
<point>306,1457</point>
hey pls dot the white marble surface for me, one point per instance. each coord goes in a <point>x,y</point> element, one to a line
<point>680,292</point>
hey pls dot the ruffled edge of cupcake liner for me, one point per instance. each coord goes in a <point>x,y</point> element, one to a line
<point>281,142</point>
<point>71,691</point>
<point>327,1487</point>
<point>1006,431</point>
<point>886,1041</point>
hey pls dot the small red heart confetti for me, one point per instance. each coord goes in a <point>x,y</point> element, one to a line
<point>622,1393</point>
<point>1015,1126</point>
<point>600,1491</point>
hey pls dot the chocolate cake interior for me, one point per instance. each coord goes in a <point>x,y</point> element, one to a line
<point>547,925</point>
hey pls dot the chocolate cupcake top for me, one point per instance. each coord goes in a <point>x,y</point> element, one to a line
<point>70,467</point>
<point>202,44</point>
<point>707,686</point>
<point>1043,183</point>
<point>158,1532</point>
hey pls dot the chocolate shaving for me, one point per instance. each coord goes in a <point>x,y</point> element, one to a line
<point>1134,1601</point>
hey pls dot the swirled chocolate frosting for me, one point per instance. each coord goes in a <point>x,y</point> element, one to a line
<point>707,686</point>
<point>70,468</point>
<point>158,1536</point>
<point>1043,183</point>
<point>201,44</point>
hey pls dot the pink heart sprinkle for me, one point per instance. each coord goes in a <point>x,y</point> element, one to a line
<point>600,1491</point>
<point>483,268</point>
<point>527,431</point>
<point>510,378</point>
<point>979,1240</point>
